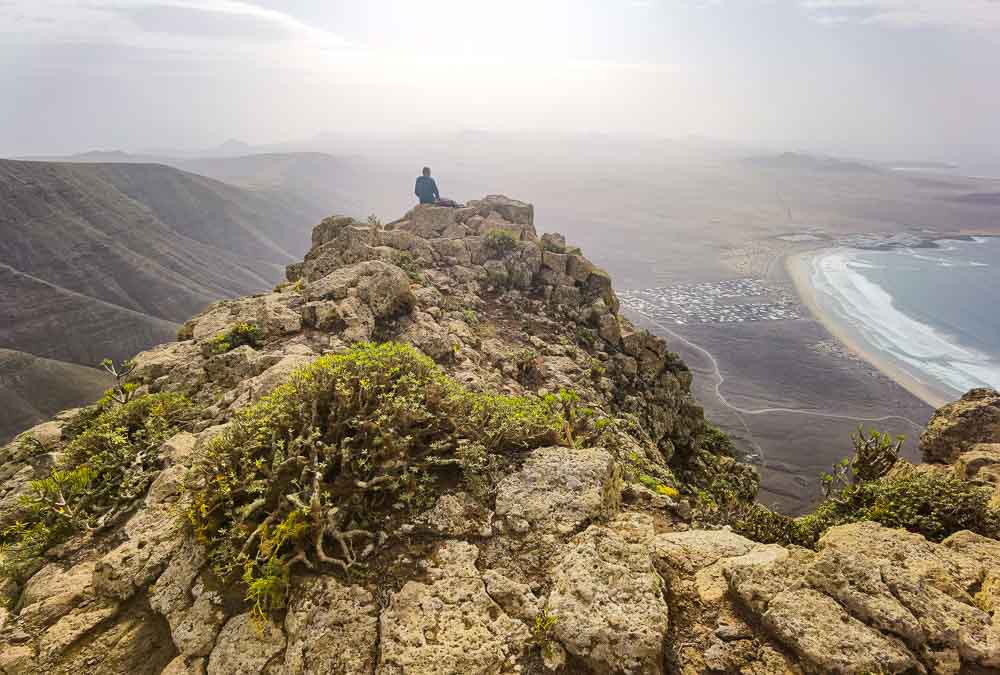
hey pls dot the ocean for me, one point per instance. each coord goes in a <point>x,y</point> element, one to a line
<point>933,311</point>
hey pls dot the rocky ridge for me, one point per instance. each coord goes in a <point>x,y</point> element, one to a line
<point>580,558</point>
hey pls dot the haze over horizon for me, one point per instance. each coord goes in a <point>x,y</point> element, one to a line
<point>886,79</point>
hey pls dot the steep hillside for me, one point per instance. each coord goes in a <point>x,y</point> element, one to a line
<point>439,448</point>
<point>32,389</point>
<point>124,250</point>
<point>52,322</point>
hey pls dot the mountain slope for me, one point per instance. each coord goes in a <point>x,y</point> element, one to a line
<point>103,259</point>
<point>32,389</point>
<point>54,322</point>
<point>147,237</point>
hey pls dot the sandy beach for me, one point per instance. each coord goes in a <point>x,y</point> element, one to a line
<point>799,268</point>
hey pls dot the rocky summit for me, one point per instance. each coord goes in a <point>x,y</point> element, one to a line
<point>440,448</point>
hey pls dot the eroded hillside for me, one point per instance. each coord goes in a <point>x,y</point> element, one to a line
<point>439,448</point>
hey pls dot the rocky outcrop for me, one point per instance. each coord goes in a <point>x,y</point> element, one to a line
<point>607,598</point>
<point>873,599</point>
<point>957,427</point>
<point>449,624</point>
<point>332,628</point>
<point>573,554</point>
<point>560,489</point>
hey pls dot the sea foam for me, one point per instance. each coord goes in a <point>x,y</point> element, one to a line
<point>925,353</point>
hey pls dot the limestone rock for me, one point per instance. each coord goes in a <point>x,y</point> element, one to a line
<point>53,591</point>
<point>512,210</point>
<point>194,612</point>
<point>74,625</point>
<point>329,228</point>
<point>517,599</point>
<point>458,515</point>
<point>154,534</point>
<point>271,313</point>
<point>178,449</point>
<point>688,552</point>
<point>829,639</point>
<point>707,630</point>
<point>383,287</point>
<point>245,646</point>
<point>449,624</point>
<point>163,360</point>
<point>608,598</point>
<point>331,629</point>
<point>877,599</point>
<point>955,428</point>
<point>981,463</point>
<point>559,489</point>
<point>428,220</point>
<point>183,666</point>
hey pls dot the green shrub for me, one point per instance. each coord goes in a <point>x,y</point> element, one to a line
<point>875,453</point>
<point>406,262</point>
<point>110,460</point>
<point>716,441</point>
<point>241,334</point>
<point>352,443</point>
<point>541,630</point>
<point>658,486</point>
<point>499,242</point>
<point>122,390</point>
<point>932,503</point>
<point>527,363</point>
<point>470,316</point>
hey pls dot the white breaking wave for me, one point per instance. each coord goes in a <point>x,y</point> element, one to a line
<point>924,352</point>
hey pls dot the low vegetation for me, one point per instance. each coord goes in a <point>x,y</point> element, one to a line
<point>874,485</point>
<point>110,460</point>
<point>541,630</point>
<point>241,334</point>
<point>409,264</point>
<point>348,448</point>
<point>499,242</point>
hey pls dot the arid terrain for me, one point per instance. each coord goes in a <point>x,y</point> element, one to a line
<point>656,215</point>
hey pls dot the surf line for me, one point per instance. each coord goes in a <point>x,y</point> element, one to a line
<point>720,379</point>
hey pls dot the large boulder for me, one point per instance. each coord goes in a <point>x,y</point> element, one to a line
<point>957,427</point>
<point>874,599</point>
<point>449,624</point>
<point>559,489</point>
<point>607,599</point>
<point>708,632</point>
<point>332,628</point>
<point>194,610</point>
<point>383,287</point>
<point>271,313</point>
<point>427,220</point>
<point>981,463</point>
<point>246,645</point>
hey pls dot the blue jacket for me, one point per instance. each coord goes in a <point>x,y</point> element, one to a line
<point>426,189</point>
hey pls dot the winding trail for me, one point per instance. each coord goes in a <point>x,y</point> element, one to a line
<point>720,379</point>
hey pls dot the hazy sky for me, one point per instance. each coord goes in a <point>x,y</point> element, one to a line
<point>909,78</point>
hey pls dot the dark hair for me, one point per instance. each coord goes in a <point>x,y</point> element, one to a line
<point>426,171</point>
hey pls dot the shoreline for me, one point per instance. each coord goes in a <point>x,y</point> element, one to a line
<point>799,269</point>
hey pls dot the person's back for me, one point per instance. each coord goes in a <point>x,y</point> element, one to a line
<point>426,189</point>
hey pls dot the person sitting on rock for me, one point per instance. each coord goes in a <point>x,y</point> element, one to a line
<point>426,189</point>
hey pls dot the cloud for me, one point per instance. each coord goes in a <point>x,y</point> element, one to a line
<point>971,14</point>
<point>184,24</point>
